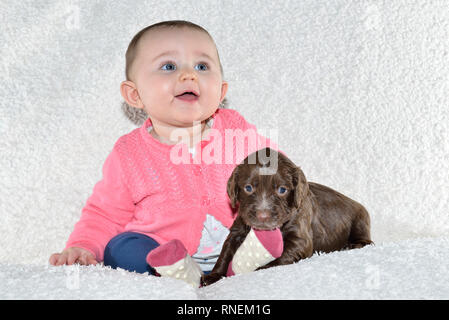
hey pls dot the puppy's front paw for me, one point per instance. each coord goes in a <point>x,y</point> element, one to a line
<point>209,279</point>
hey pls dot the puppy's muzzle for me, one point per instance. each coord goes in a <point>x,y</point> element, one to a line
<point>263,215</point>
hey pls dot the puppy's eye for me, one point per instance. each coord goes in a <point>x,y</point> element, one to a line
<point>282,190</point>
<point>248,188</point>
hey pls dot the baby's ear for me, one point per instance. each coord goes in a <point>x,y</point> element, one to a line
<point>232,187</point>
<point>129,92</point>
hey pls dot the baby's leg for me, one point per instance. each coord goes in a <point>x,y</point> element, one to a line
<point>172,260</point>
<point>259,248</point>
<point>128,251</point>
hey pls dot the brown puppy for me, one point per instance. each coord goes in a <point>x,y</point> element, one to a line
<point>272,192</point>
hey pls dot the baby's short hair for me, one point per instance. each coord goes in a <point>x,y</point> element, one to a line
<point>138,116</point>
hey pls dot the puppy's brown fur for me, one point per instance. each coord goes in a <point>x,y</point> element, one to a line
<point>311,217</point>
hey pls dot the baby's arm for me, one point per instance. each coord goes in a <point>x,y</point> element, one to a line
<point>107,211</point>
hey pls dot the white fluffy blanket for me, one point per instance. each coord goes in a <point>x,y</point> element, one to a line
<point>355,92</point>
<point>409,269</point>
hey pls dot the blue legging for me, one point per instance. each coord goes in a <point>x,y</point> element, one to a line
<point>128,251</point>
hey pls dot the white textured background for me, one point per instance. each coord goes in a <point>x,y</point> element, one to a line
<point>358,91</point>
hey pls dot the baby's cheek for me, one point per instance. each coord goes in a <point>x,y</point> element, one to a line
<point>212,85</point>
<point>156,87</point>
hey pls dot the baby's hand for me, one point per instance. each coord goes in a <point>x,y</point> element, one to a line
<point>73,255</point>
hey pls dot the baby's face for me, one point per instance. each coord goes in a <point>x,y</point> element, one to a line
<point>170,62</point>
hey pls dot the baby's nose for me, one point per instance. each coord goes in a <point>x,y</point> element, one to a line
<point>188,75</point>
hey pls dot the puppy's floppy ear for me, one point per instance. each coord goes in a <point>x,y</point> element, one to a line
<point>301,186</point>
<point>232,187</point>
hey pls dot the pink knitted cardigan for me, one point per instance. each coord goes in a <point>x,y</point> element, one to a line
<point>143,190</point>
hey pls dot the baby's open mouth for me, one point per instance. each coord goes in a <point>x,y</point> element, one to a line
<point>188,96</point>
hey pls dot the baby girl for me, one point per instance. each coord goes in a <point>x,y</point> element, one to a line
<point>154,210</point>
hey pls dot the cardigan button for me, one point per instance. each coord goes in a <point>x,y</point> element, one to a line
<point>205,201</point>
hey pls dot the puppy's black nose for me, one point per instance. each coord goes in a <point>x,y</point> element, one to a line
<point>262,216</point>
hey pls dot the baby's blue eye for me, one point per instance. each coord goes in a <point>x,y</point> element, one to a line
<point>248,188</point>
<point>203,66</point>
<point>282,190</point>
<point>173,67</point>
